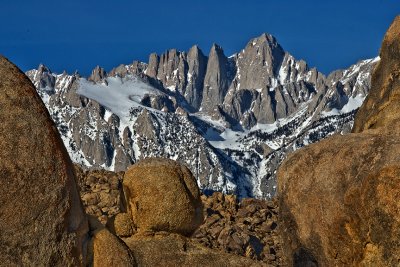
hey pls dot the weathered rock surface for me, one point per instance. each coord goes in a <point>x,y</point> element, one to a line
<point>121,225</point>
<point>162,195</point>
<point>344,210</point>
<point>381,107</point>
<point>42,221</point>
<point>346,205</point>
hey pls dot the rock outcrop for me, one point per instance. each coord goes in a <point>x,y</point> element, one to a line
<point>98,75</point>
<point>42,221</point>
<point>246,228</point>
<point>381,107</point>
<point>344,211</point>
<point>162,195</point>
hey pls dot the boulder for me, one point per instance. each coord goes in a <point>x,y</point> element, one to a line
<point>105,249</point>
<point>162,195</point>
<point>121,225</point>
<point>339,197</point>
<point>42,221</point>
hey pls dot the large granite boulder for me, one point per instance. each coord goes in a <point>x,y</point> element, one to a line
<point>162,195</point>
<point>339,197</point>
<point>42,221</point>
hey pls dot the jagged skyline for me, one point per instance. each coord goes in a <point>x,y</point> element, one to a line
<point>80,35</point>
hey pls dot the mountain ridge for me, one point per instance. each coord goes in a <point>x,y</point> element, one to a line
<point>230,119</point>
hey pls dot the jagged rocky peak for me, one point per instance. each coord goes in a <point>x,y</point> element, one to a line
<point>152,69</point>
<point>258,62</point>
<point>197,67</point>
<point>43,78</point>
<point>216,81</point>
<point>42,68</point>
<point>172,70</point>
<point>98,75</point>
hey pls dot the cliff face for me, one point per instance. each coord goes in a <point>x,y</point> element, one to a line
<point>344,210</point>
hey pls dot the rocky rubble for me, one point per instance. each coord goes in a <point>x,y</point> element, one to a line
<point>100,192</point>
<point>248,227</point>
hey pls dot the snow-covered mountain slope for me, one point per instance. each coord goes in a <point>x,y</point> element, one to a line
<point>230,120</point>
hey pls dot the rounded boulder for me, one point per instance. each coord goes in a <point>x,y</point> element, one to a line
<point>162,195</point>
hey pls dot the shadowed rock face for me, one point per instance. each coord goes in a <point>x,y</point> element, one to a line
<point>382,105</point>
<point>339,198</point>
<point>42,222</point>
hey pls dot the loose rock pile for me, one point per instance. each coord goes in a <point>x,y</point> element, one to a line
<point>100,192</point>
<point>247,228</point>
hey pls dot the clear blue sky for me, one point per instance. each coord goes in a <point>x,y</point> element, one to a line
<point>74,34</point>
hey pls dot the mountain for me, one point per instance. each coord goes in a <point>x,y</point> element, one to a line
<point>231,120</point>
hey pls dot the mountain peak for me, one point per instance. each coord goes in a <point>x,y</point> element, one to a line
<point>98,74</point>
<point>43,68</point>
<point>216,48</point>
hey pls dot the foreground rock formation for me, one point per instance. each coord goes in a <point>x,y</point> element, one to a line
<point>163,209</point>
<point>344,211</point>
<point>247,228</point>
<point>42,221</point>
